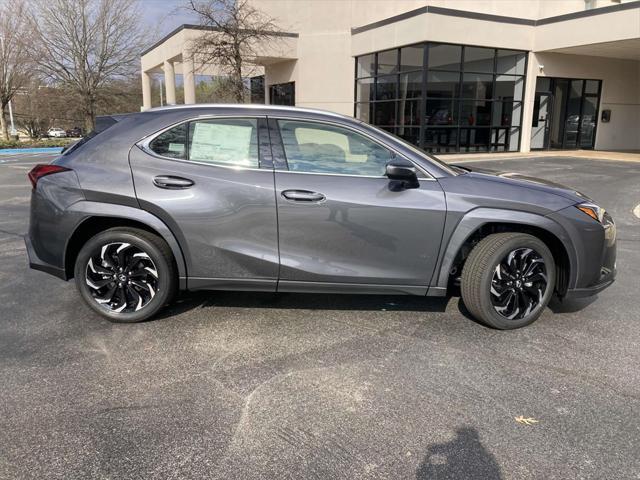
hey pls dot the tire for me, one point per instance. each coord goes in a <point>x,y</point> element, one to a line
<point>508,275</point>
<point>126,274</point>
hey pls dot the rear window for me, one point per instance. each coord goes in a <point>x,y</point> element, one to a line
<point>172,143</point>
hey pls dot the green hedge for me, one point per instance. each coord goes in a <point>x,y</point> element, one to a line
<point>42,143</point>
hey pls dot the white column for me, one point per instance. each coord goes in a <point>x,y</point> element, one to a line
<point>146,91</point>
<point>527,104</point>
<point>189,79</point>
<point>170,82</point>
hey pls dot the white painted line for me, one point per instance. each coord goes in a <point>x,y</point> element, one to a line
<point>636,211</point>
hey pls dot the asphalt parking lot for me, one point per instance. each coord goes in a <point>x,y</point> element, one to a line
<point>247,385</point>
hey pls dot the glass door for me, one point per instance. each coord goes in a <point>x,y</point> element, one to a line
<point>565,113</point>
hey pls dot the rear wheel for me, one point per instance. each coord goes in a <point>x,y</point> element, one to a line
<point>126,274</point>
<point>508,280</point>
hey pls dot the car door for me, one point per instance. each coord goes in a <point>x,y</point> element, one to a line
<point>342,224</point>
<point>211,181</point>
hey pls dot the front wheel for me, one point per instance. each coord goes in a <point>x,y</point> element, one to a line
<point>126,274</point>
<point>508,280</point>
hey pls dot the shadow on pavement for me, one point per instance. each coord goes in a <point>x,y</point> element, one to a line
<point>572,305</point>
<point>463,457</point>
<point>191,300</point>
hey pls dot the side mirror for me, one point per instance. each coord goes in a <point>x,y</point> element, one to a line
<point>402,172</point>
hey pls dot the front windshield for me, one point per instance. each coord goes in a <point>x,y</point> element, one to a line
<point>421,153</point>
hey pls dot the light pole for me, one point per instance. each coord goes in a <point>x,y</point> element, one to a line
<point>13,127</point>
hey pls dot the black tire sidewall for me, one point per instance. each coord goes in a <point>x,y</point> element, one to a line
<point>521,241</point>
<point>165,274</point>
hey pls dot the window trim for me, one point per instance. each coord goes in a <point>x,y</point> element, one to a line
<point>144,143</point>
<point>421,170</point>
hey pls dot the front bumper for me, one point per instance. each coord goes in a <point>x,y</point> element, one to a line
<point>606,280</point>
<point>602,262</point>
<point>37,263</point>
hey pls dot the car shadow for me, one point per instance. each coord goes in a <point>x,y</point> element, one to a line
<point>463,457</point>
<point>187,301</point>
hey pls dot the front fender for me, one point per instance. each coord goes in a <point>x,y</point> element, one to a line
<point>474,219</point>
<point>88,209</point>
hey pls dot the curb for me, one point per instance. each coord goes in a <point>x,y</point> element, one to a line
<point>17,151</point>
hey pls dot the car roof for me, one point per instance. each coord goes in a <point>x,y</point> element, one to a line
<point>249,106</point>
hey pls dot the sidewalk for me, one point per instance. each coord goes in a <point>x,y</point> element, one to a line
<point>630,156</point>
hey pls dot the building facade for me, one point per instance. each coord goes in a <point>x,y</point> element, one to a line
<point>450,76</point>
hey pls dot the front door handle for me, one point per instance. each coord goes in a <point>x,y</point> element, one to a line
<point>303,196</point>
<point>172,183</point>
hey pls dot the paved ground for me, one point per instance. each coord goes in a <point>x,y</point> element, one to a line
<point>243,385</point>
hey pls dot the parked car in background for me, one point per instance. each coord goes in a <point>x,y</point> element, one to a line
<point>56,133</point>
<point>75,132</point>
<point>283,199</point>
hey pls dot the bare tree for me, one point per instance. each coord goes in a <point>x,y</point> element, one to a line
<point>235,30</point>
<point>14,64</point>
<point>85,44</point>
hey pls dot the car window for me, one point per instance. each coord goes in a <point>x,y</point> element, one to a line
<point>224,141</point>
<point>172,143</point>
<point>322,148</point>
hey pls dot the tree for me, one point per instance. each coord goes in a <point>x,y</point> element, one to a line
<point>86,44</point>
<point>14,60</point>
<point>234,32</point>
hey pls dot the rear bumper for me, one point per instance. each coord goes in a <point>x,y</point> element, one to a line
<point>37,263</point>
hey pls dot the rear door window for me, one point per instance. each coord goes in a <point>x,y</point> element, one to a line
<point>229,141</point>
<point>172,143</point>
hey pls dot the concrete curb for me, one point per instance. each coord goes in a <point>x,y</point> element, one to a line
<point>18,151</point>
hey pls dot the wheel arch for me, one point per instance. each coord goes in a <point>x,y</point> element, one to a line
<point>480,223</point>
<point>99,217</point>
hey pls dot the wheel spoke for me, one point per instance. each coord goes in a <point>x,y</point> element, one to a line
<point>122,277</point>
<point>518,283</point>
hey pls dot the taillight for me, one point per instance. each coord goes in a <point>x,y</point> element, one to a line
<point>41,170</point>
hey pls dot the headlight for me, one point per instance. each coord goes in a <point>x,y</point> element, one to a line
<point>593,210</point>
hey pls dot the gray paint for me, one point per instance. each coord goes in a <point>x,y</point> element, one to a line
<point>233,229</point>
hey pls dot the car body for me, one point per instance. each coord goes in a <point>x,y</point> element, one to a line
<point>282,199</point>
<point>56,133</point>
<point>75,132</point>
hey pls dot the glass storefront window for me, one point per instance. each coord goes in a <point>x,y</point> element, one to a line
<point>411,58</point>
<point>366,65</point>
<point>509,87</point>
<point>445,57</point>
<point>465,98</point>
<point>478,86</point>
<point>510,62</point>
<point>441,112</point>
<point>477,59</point>
<point>410,113</point>
<point>384,113</point>
<point>364,90</point>
<point>387,62</point>
<point>387,87</point>
<point>443,84</point>
<point>411,85</point>
<point>475,113</point>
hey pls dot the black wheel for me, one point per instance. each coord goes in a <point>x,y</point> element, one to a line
<point>508,280</point>
<point>126,274</point>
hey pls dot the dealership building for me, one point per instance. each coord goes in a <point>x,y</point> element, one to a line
<point>447,75</point>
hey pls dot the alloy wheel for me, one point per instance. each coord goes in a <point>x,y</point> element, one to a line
<point>519,283</point>
<point>122,278</point>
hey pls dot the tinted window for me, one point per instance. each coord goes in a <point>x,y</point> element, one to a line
<point>172,143</point>
<point>320,148</point>
<point>225,141</point>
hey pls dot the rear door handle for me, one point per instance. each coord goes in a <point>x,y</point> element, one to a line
<point>172,183</point>
<point>304,196</point>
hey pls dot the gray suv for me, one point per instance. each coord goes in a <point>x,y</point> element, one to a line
<point>278,199</point>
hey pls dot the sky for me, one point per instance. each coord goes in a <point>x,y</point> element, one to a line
<point>163,16</point>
